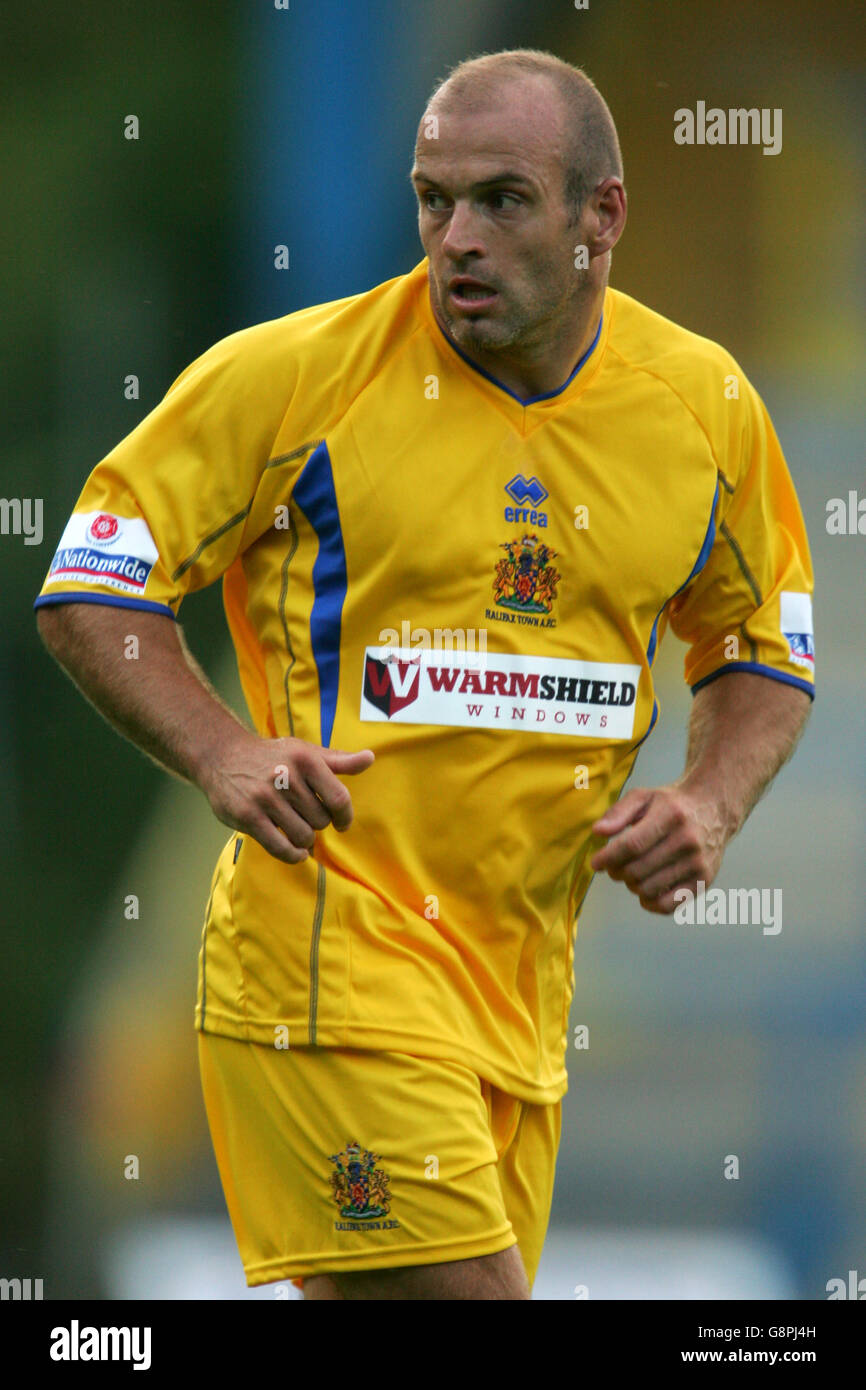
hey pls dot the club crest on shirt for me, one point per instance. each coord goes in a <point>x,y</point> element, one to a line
<point>525,579</point>
<point>360,1190</point>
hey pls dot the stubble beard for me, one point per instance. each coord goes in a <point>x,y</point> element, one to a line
<point>522,329</point>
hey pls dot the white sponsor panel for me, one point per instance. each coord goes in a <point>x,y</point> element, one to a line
<point>100,548</point>
<point>535,694</point>
<point>795,613</point>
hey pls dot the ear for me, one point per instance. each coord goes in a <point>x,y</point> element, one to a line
<point>606,212</point>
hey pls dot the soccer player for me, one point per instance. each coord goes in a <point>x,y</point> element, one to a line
<point>496,450</point>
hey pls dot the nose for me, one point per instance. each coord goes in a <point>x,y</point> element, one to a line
<point>462,235</point>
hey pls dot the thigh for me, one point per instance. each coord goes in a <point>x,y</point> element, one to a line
<point>489,1277</point>
<point>527,1138</point>
<point>338,1161</point>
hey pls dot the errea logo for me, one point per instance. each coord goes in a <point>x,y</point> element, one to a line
<point>523,490</point>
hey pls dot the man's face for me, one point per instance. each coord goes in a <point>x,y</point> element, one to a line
<point>492,211</point>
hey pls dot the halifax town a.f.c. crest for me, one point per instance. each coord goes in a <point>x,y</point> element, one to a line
<point>359,1188</point>
<point>525,578</point>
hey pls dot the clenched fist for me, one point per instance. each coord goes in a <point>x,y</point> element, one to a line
<point>281,790</point>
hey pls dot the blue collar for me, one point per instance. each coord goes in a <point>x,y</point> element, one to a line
<point>546,395</point>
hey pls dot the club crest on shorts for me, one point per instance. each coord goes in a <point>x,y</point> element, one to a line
<point>360,1189</point>
<point>525,578</point>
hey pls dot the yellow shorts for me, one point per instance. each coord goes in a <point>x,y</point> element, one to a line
<point>338,1159</point>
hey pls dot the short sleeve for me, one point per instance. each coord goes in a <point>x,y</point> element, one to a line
<point>169,509</point>
<point>750,608</point>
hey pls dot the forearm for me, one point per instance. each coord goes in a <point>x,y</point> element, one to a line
<point>151,690</point>
<point>660,841</point>
<point>743,728</point>
<point>278,790</point>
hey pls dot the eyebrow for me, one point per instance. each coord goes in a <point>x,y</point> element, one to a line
<point>510,176</point>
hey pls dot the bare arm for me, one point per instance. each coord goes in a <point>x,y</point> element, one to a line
<point>743,728</point>
<point>739,738</point>
<point>162,701</point>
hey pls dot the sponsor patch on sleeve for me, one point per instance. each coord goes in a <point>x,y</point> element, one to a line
<point>116,552</point>
<point>796,622</point>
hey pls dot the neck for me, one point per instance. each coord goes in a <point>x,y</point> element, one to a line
<point>539,369</point>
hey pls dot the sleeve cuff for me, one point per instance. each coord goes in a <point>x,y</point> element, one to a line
<point>111,600</point>
<point>757,670</point>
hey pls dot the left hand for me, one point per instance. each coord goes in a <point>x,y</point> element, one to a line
<point>660,840</point>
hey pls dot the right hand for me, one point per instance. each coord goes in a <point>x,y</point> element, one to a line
<point>245,785</point>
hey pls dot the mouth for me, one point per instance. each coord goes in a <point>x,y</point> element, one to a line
<point>467,294</point>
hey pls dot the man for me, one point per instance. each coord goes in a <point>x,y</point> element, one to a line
<point>495,443</point>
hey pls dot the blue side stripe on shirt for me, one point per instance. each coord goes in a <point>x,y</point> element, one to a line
<point>702,559</point>
<point>314,493</point>
<point>703,556</point>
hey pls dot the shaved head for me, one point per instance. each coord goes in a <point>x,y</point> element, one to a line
<point>589,145</point>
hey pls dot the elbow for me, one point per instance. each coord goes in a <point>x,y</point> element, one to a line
<point>49,624</point>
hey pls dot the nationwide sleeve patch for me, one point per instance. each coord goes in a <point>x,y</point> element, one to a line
<point>114,552</point>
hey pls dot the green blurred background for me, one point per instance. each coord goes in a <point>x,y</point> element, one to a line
<point>261,126</point>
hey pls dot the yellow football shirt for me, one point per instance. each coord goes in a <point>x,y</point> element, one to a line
<point>368,497</point>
